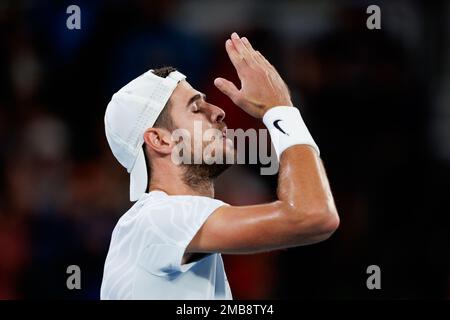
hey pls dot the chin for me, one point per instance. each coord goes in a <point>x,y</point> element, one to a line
<point>218,168</point>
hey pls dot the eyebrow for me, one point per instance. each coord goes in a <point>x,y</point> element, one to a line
<point>195,98</point>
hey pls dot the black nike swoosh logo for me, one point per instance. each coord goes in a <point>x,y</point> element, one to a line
<point>276,125</point>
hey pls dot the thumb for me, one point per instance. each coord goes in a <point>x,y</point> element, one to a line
<point>228,88</point>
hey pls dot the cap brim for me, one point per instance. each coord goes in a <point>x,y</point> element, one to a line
<point>138,177</point>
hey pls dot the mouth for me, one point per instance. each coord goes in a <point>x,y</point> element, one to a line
<point>227,142</point>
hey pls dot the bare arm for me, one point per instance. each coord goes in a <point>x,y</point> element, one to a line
<point>305,212</point>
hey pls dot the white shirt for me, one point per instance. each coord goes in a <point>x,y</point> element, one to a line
<point>147,246</point>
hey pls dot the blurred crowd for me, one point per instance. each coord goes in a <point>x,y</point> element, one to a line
<point>376,101</point>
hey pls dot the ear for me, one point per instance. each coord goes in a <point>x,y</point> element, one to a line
<point>159,140</point>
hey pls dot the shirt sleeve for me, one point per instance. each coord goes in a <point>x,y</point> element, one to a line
<point>174,224</point>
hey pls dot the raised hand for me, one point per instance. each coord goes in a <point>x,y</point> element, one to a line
<point>261,86</point>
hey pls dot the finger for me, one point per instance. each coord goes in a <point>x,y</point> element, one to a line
<point>236,59</point>
<point>250,49</point>
<point>259,58</point>
<point>228,88</point>
<point>248,45</point>
<point>240,47</point>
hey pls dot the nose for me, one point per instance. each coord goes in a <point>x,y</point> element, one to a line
<point>216,114</point>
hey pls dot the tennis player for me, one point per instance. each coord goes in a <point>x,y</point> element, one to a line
<point>169,244</point>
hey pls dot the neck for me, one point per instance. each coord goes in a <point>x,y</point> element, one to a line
<point>179,186</point>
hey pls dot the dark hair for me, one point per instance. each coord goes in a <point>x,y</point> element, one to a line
<point>163,121</point>
<point>163,72</point>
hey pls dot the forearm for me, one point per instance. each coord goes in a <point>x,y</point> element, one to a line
<point>302,182</point>
<point>303,188</point>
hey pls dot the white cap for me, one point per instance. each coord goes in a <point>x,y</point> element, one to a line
<point>131,111</point>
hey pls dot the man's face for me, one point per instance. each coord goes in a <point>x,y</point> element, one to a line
<point>203,122</point>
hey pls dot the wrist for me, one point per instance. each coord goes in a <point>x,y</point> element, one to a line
<point>286,103</point>
<point>287,128</point>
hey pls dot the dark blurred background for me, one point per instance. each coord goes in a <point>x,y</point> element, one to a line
<point>376,101</point>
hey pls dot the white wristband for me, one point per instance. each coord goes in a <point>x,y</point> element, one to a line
<point>287,128</point>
